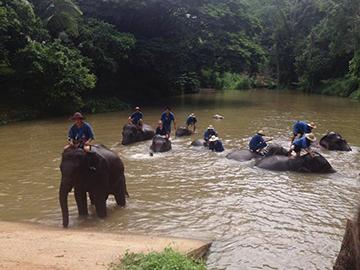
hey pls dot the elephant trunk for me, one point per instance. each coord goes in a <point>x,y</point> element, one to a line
<point>63,198</point>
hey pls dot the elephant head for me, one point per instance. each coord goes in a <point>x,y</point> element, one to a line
<point>183,131</point>
<point>160,144</point>
<point>72,163</point>
<point>132,133</point>
<point>334,141</point>
<point>198,143</point>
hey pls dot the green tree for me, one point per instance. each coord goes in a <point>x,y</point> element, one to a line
<point>53,77</point>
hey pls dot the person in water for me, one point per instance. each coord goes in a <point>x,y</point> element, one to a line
<point>168,117</point>
<point>191,121</point>
<point>215,144</point>
<point>300,128</point>
<point>210,131</point>
<point>80,133</point>
<point>160,130</point>
<point>136,118</point>
<point>258,143</point>
<point>303,143</point>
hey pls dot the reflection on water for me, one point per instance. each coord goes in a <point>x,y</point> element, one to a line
<point>258,219</point>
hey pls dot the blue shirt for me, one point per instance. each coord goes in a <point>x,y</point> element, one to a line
<point>216,146</point>
<point>82,133</point>
<point>302,143</point>
<point>167,119</point>
<point>208,133</point>
<point>301,127</point>
<point>136,117</point>
<point>257,142</point>
<point>191,120</point>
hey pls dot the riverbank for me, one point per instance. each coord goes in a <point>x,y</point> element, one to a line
<point>29,246</point>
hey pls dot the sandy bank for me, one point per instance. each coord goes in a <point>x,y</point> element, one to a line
<point>30,247</point>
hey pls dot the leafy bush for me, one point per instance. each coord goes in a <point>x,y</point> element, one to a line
<point>232,81</point>
<point>187,83</point>
<point>98,105</point>
<point>340,87</point>
<point>166,260</point>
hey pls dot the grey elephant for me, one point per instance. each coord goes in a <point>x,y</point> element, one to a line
<point>334,141</point>
<point>246,155</point>
<point>305,164</point>
<point>160,144</point>
<point>183,131</point>
<point>198,143</point>
<point>99,173</point>
<point>132,134</point>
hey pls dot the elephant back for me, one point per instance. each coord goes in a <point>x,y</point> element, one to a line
<point>334,141</point>
<point>183,131</point>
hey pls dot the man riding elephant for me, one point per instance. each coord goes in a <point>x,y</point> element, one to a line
<point>168,117</point>
<point>136,118</point>
<point>303,143</point>
<point>258,143</point>
<point>191,121</point>
<point>215,144</point>
<point>210,131</point>
<point>80,133</point>
<point>300,128</point>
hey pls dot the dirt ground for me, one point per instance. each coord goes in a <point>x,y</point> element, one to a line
<point>30,247</point>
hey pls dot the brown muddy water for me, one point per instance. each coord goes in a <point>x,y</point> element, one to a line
<point>258,219</point>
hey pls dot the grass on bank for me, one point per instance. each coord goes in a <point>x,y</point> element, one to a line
<point>344,87</point>
<point>166,260</point>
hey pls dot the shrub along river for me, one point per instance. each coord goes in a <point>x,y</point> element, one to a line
<point>258,219</point>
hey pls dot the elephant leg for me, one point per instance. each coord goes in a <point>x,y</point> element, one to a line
<point>81,201</point>
<point>92,198</point>
<point>100,205</point>
<point>121,192</point>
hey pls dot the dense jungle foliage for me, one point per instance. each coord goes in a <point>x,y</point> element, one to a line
<point>57,56</point>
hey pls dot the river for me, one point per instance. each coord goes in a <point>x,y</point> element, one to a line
<point>258,219</point>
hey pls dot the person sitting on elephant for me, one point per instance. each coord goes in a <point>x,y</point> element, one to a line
<point>80,133</point>
<point>191,121</point>
<point>258,143</point>
<point>167,117</point>
<point>300,128</point>
<point>136,118</point>
<point>210,131</point>
<point>215,144</point>
<point>160,130</point>
<point>303,143</point>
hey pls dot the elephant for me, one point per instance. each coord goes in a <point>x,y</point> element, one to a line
<point>99,172</point>
<point>132,134</point>
<point>183,131</point>
<point>349,254</point>
<point>305,163</point>
<point>198,143</point>
<point>160,144</point>
<point>246,155</point>
<point>334,141</point>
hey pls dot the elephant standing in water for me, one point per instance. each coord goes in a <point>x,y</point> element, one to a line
<point>349,254</point>
<point>99,172</point>
<point>132,134</point>
<point>305,163</point>
<point>334,141</point>
<point>183,131</point>
<point>160,144</point>
<point>246,155</point>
